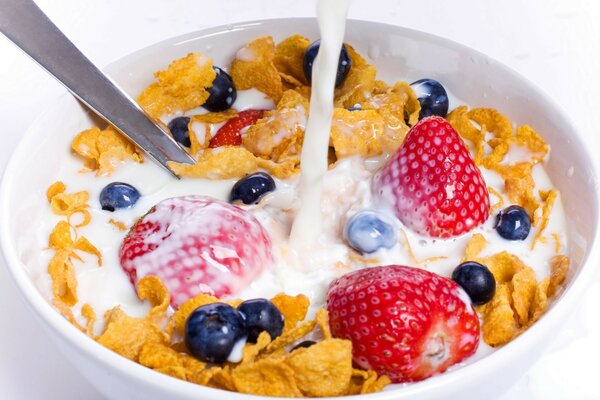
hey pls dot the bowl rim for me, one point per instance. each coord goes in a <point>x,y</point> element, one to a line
<point>136,372</point>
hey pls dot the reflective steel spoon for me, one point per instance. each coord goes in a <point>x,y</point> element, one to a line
<point>22,22</point>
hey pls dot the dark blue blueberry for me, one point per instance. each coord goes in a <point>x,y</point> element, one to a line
<point>513,223</point>
<point>477,280</point>
<point>179,129</point>
<point>212,330</point>
<point>304,344</point>
<point>118,195</point>
<point>344,63</point>
<point>251,188</point>
<point>432,96</point>
<point>368,231</point>
<point>355,107</point>
<point>261,315</point>
<point>222,92</point>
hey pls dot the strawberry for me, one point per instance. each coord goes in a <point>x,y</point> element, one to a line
<point>230,133</point>
<point>404,322</point>
<point>196,244</point>
<point>432,184</point>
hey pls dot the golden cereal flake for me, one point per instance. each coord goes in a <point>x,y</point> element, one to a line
<point>266,377</point>
<point>57,187</point>
<point>254,67</point>
<point>324,369</point>
<point>540,301</point>
<point>118,224</point>
<point>559,266</point>
<point>526,136</point>
<point>180,87</point>
<point>163,359</point>
<point>364,382</point>
<point>475,246</point>
<point>126,335</point>
<point>500,203</point>
<point>541,223</point>
<point>104,150</point>
<point>519,185</point>
<point>499,325</point>
<point>359,83</point>
<point>278,136</point>
<point>221,163</point>
<point>356,133</point>
<point>293,308</point>
<point>289,56</point>
<point>62,273</point>
<point>252,350</point>
<point>524,287</point>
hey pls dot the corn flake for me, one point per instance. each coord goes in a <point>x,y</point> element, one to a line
<point>559,266</point>
<point>64,283</point>
<point>127,336</point>
<point>266,377</point>
<point>163,359</point>
<point>499,325</point>
<point>289,56</point>
<point>542,222</point>
<point>104,150</point>
<point>324,369</point>
<point>220,163</point>
<point>293,308</point>
<point>524,287</point>
<point>359,83</point>
<point>180,87</point>
<point>356,133</point>
<point>526,136</point>
<point>254,67</point>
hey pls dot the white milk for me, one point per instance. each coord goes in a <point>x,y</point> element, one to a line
<point>332,23</point>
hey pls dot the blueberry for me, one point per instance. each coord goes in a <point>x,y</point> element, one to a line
<point>368,231</point>
<point>513,223</point>
<point>251,188</point>
<point>118,195</point>
<point>355,107</point>
<point>261,315</point>
<point>477,280</point>
<point>179,129</point>
<point>344,63</point>
<point>212,330</point>
<point>432,96</point>
<point>222,92</point>
<point>304,344</point>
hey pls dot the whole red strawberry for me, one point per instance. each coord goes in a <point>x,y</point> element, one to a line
<point>404,322</point>
<point>230,133</point>
<point>432,184</point>
<point>196,244</point>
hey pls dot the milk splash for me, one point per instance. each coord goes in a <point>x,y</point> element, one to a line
<point>307,225</point>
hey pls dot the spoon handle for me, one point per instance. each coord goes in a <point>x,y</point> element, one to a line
<point>22,22</point>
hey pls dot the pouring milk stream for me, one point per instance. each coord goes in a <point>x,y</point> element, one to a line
<point>331,16</point>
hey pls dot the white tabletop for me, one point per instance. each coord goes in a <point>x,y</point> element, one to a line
<point>555,43</point>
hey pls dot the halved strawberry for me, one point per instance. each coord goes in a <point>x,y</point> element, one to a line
<point>431,182</point>
<point>196,245</point>
<point>230,133</point>
<point>404,322</point>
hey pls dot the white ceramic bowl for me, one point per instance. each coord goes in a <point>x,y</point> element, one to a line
<point>398,53</point>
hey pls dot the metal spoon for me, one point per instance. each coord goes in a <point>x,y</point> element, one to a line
<point>22,22</point>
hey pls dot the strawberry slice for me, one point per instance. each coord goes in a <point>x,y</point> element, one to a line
<point>196,244</point>
<point>230,133</point>
<point>404,322</point>
<point>432,184</point>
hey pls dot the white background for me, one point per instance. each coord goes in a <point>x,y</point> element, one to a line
<point>555,43</point>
